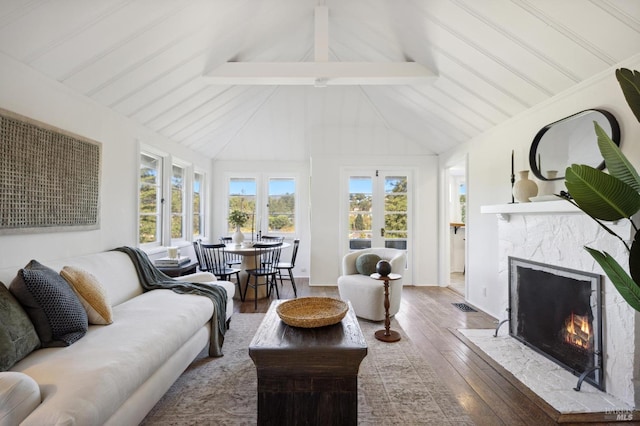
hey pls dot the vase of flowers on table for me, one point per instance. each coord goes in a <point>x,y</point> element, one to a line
<point>238,218</point>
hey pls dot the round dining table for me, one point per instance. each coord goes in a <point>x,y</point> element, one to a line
<point>248,262</point>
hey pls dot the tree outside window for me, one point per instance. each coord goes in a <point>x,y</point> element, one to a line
<point>198,207</point>
<point>360,203</point>
<point>177,202</point>
<point>150,195</point>
<point>282,205</point>
<point>395,207</point>
<point>277,214</point>
<point>242,197</point>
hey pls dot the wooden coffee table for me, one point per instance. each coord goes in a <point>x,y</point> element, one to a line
<point>307,375</point>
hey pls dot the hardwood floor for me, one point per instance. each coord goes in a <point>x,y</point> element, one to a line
<point>488,393</point>
<point>456,282</point>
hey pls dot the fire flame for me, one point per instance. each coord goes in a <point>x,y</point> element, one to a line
<point>578,332</point>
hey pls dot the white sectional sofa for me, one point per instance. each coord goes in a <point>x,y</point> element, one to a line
<point>116,373</point>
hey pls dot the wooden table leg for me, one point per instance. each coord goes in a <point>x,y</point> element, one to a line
<point>387,335</point>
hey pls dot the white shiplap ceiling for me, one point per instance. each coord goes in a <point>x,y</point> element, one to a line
<point>493,58</point>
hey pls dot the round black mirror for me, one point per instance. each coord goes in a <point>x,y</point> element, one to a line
<point>571,140</point>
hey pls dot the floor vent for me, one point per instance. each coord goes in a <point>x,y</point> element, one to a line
<point>464,307</point>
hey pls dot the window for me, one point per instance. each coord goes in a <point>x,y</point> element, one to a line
<point>395,211</point>
<point>378,210</point>
<point>172,200</point>
<point>242,196</point>
<point>198,206</point>
<point>177,202</point>
<point>360,213</point>
<point>270,203</point>
<point>150,211</point>
<point>282,205</point>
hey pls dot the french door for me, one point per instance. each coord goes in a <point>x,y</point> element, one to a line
<point>379,209</point>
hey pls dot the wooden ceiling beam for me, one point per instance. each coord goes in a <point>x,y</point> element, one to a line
<point>321,34</point>
<point>320,73</point>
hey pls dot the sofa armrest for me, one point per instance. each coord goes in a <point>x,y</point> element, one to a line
<point>397,259</point>
<point>398,263</point>
<point>198,277</point>
<point>19,396</point>
<point>349,263</point>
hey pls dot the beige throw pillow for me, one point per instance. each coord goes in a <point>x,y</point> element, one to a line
<point>91,293</point>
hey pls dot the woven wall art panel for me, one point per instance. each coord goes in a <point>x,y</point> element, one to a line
<point>49,179</point>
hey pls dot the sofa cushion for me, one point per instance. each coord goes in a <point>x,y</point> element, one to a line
<point>366,263</point>
<point>18,338</point>
<point>19,396</point>
<point>91,293</point>
<point>52,306</point>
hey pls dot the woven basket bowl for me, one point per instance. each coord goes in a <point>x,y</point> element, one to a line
<point>311,312</point>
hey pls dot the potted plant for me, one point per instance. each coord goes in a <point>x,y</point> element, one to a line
<point>613,196</point>
<point>238,218</point>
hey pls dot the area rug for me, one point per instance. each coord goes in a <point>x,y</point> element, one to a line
<point>395,385</point>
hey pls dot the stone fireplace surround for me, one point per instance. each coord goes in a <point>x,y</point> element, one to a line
<point>555,232</point>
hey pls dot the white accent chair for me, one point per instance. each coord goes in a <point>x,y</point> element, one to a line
<point>365,293</point>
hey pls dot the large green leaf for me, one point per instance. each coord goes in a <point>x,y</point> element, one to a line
<point>617,164</point>
<point>628,289</point>
<point>601,195</point>
<point>630,85</point>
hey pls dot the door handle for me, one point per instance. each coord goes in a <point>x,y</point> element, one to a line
<point>382,232</point>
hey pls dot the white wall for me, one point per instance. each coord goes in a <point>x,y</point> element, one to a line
<point>327,251</point>
<point>351,135</point>
<point>336,148</point>
<point>29,93</point>
<point>319,205</point>
<point>489,171</point>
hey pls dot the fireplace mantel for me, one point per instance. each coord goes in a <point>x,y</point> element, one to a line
<point>544,207</point>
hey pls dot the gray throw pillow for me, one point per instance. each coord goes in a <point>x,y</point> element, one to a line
<point>366,263</point>
<point>18,338</point>
<point>52,305</point>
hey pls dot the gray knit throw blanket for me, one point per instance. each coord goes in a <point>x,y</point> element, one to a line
<point>152,278</point>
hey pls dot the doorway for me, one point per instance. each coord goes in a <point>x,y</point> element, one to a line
<point>457,230</point>
<point>379,211</point>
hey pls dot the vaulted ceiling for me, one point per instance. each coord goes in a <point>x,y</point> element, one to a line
<point>145,59</point>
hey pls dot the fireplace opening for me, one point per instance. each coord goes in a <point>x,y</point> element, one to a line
<point>557,312</point>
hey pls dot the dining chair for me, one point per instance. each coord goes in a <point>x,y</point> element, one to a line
<point>267,257</point>
<point>231,258</point>
<point>271,238</point>
<point>214,257</point>
<point>198,250</point>
<point>289,267</point>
